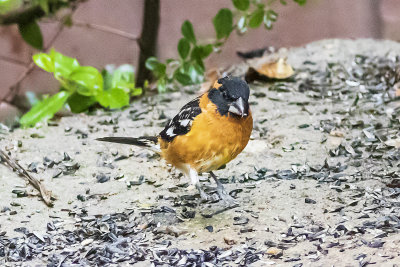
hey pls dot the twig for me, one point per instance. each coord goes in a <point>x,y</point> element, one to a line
<point>12,60</point>
<point>28,13</point>
<point>46,195</point>
<point>106,29</point>
<point>15,87</point>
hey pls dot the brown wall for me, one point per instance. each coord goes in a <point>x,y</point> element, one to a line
<point>296,25</point>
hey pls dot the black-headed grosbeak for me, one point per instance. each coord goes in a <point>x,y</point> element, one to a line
<point>206,134</point>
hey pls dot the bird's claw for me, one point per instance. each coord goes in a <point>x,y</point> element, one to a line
<point>204,197</point>
<point>226,198</point>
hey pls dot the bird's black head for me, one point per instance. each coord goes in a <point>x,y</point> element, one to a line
<point>231,96</point>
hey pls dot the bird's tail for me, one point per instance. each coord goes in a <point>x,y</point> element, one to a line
<point>150,142</point>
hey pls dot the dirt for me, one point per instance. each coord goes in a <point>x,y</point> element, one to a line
<point>271,205</point>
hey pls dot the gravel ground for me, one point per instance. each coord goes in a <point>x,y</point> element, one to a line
<point>318,183</point>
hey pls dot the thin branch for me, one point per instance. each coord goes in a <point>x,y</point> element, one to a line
<point>44,193</point>
<point>106,29</point>
<point>14,89</point>
<point>12,60</point>
<point>29,13</point>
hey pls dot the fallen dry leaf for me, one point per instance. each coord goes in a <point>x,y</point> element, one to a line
<point>267,70</point>
<point>277,70</point>
<point>273,251</point>
<point>336,133</point>
<point>229,241</point>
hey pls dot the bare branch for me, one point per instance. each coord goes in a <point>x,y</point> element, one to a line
<point>12,60</point>
<point>45,194</point>
<point>106,29</point>
<point>28,13</point>
<point>14,89</point>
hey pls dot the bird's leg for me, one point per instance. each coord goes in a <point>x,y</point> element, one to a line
<point>222,193</point>
<point>196,182</point>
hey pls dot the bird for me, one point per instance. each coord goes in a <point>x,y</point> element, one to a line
<point>206,134</point>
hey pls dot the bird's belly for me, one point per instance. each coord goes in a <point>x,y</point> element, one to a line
<point>210,144</point>
<point>216,160</point>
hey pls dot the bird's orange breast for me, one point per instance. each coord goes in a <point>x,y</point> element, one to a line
<point>212,141</point>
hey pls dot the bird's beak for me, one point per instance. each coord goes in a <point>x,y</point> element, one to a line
<point>238,107</point>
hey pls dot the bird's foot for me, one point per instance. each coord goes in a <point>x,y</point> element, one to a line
<point>225,197</point>
<point>204,197</point>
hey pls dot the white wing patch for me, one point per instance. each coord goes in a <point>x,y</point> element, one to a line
<point>170,132</point>
<point>185,123</point>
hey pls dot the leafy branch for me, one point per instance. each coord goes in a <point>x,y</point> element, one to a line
<point>189,68</point>
<point>81,87</point>
<point>26,14</point>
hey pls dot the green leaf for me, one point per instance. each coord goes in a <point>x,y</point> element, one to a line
<point>158,68</point>
<point>183,78</point>
<point>256,18</point>
<point>183,48</point>
<point>269,18</point>
<point>137,91</point>
<point>63,65</point>
<point>223,23</point>
<point>301,2</point>
<point>44,61</point>
<point>114,98</point>
<point>44,4</point>
<point>241,25</point>
<point>80,103</point>
<point>271,15</point>
<point>171,61</point>
<point>124,77</point>
<point>188,32</point>
<point>194,69</point>
<point>283,2</point>
<point>86,81</point>
<point>107,76</point>
<point>9,5</point>
<point>31,33</point>
<point>267,23</point>
<point>241,4</point>
<point>201,52</point>
<point>45,109</point>
<point>162,85</point>
<point>196,73</point>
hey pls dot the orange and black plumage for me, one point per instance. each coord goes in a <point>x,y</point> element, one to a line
<point>206,134</point>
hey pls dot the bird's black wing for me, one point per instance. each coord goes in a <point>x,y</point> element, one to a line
<point>182,122</point>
